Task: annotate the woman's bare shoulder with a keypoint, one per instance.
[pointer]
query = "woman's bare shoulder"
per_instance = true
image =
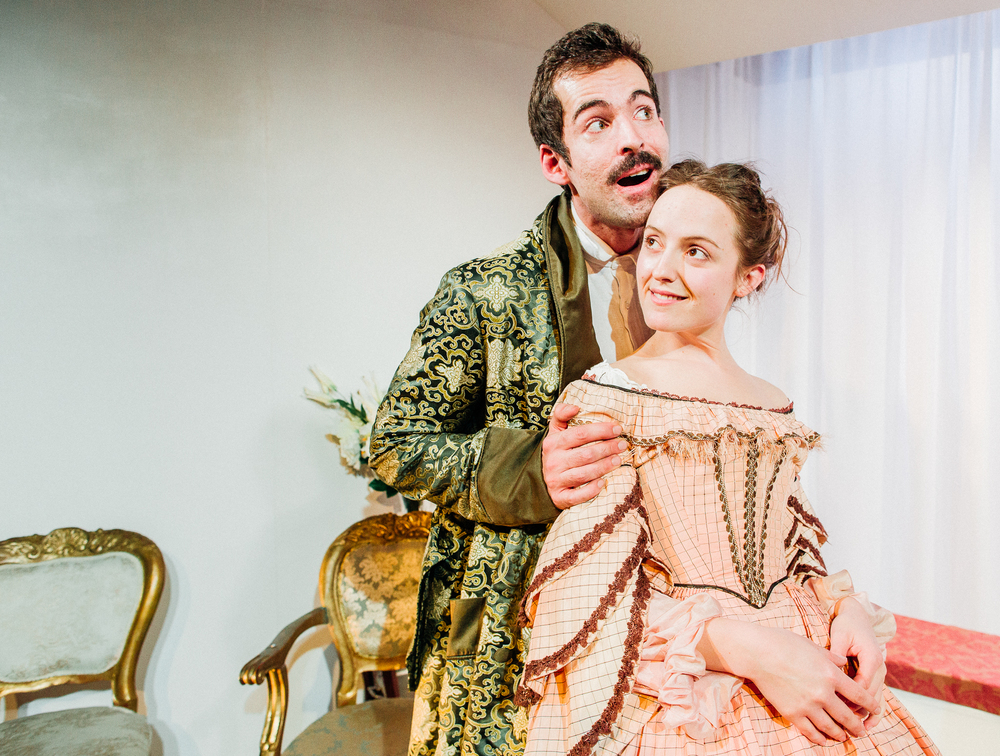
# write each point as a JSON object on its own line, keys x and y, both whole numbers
{"x": 770, "y": 395}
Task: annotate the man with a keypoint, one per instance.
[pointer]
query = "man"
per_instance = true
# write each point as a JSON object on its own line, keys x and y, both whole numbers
{"x": 469, "y": 421}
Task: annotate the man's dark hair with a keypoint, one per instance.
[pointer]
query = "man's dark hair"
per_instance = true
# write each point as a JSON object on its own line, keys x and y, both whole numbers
{"x": 587, "y": 49}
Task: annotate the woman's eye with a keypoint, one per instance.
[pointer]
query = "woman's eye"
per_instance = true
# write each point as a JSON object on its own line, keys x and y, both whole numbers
{"x": 650, "y": 241}
{"x": 697, "y": 253}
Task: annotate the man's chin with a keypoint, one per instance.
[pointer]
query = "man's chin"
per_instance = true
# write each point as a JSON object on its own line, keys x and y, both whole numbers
{"x": 631, "y": 216}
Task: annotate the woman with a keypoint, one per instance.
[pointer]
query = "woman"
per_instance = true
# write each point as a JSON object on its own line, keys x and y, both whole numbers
{"x": 686, "y": 609}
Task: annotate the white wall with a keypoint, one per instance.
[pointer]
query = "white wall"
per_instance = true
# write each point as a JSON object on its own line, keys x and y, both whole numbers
{"x": 197, "y": 201}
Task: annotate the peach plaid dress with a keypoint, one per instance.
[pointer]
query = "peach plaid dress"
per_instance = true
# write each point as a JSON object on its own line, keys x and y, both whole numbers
{"x": 706, "y": 518}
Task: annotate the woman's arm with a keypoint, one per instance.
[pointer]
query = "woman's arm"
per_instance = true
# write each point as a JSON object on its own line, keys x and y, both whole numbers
{"x": 804, "y": 682}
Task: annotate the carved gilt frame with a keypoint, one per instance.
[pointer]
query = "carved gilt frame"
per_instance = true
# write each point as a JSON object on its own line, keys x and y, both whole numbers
{"x": 74, "y": 542}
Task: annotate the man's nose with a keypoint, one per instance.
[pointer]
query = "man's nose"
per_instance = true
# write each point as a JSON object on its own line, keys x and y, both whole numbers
{"x": 630, "y": 140}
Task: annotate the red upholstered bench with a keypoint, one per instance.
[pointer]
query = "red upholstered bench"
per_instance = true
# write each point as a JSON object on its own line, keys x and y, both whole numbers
{"x": 945, "y": 662}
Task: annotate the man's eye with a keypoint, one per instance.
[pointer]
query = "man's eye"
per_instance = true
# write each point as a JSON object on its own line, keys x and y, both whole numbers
{"x": 645, "y": 113}
{"x": 596, "y": 126}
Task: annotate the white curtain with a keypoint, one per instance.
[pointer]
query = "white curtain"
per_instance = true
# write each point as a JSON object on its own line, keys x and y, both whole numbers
{"x": 885, "y": 152}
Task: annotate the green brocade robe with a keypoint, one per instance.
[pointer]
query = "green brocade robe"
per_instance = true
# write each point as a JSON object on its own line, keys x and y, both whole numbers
{"x": 462, "y": 426}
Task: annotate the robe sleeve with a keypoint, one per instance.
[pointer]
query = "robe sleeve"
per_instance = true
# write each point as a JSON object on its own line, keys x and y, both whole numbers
{"x": 428, "y": 440}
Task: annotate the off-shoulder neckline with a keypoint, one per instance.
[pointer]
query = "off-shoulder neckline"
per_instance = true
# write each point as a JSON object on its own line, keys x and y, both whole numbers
{"x": 645, "y": 391}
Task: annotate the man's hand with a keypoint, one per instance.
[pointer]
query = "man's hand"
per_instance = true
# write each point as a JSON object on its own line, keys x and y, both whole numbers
{"x": 574, "y": 460}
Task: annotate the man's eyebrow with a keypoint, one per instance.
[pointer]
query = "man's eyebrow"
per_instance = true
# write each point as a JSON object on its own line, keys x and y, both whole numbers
{"x": 597, "y": 103}
{"x": 587, "y": 105}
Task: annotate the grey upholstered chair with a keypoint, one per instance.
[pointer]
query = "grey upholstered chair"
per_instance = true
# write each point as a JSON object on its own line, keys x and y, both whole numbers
{"x": 74, "y": 608}
{"x": 368, "y": 584}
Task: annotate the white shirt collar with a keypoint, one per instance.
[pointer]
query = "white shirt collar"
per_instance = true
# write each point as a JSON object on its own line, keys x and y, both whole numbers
{"x": 592, "y": 244}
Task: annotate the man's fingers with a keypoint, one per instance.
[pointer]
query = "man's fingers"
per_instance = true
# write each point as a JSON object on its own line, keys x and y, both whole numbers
{"x": 578, "y": 462}
{"x": 570, "y": 497}
{"x": 575, "y": 459}
{"x": 561, "y": 415}
{"x": 581, "y": 435}
{"x": 591, "y": 470}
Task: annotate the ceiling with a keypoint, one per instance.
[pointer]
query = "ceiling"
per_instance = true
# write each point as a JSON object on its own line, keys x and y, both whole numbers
{"x": 681, "y": 33}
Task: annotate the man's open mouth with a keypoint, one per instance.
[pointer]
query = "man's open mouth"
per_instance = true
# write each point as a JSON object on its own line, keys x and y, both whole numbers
{"x": 635, "y": 179}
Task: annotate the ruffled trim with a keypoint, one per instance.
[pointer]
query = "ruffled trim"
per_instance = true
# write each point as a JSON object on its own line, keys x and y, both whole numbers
{"x": 626, "y": 672}
{"x": 696, "y": 426}
{"x": 831, "y": 590}
{"x": 582, "y": 547}
{"x": 703, "y": 447}
{"x": 672, "y": 671}
{"x": 562, "y": 656}
{"x": 803, "y": 541}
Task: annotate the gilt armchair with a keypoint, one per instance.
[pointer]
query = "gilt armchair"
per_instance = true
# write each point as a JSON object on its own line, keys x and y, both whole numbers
{"x": 75, "y": 607}
{"x": 368, "y": 586}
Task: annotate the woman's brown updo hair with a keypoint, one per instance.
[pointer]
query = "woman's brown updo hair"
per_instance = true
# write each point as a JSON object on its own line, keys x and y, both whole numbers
{"x": 761, "y": 235}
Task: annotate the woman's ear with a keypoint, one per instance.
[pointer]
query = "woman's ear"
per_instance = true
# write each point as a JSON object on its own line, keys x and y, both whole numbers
{"x": 749, "y": 280}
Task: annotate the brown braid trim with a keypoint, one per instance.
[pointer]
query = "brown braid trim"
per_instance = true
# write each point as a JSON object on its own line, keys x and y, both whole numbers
{"x": 791, "y": 534}
{"x": 633, "y": 641}
{"x": 525, "y": 696}
{"x": 790, "y": 538}
{"x": 584, "y": 545}
{"x": 810, "y": 519}
{"x": 812, "y": 570}
{"x": 805, "y": 545}
{"x": 592, "y": 378}
{"x": 559, "y": 658}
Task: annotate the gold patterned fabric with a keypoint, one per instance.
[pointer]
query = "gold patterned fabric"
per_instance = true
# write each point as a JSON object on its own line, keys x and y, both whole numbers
{"x": 377, "y": 595}
{"x": 462, "y": 425}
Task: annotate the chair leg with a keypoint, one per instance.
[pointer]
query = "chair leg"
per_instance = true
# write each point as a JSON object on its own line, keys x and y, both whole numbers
{"x": 380, "y": 684}
{"x": 277, "y": 708}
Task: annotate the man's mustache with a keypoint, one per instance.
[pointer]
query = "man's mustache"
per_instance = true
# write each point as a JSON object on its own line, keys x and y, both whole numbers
{"x": 633, "y": 161}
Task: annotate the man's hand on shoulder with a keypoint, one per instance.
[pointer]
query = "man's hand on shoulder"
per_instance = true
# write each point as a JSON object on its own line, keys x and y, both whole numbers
{"x": 575, "y": 460}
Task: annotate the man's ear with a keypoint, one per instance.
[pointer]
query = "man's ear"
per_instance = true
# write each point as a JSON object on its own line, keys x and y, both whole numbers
{"x": 553, "y": 165}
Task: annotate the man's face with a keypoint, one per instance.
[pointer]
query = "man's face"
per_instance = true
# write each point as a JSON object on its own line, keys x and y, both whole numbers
{"x": 616, "y": 144}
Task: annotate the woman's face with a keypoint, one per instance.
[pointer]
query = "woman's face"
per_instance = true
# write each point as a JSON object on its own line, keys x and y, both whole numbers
{"x": 688, "y": 268}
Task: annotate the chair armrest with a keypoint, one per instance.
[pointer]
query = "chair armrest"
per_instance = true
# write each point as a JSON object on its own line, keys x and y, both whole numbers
{"x": 269, "y": 666}
{"x": 255, "y": 671}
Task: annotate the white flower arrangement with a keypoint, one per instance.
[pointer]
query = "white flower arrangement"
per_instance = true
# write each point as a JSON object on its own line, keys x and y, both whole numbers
{"x": 352, "y": 427}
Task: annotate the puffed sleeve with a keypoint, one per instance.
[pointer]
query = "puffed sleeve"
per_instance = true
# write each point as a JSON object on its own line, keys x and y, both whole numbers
{"x": 586, "y": 608}
{"x": 831, "y": 590}
{"x": 804, "y": 538}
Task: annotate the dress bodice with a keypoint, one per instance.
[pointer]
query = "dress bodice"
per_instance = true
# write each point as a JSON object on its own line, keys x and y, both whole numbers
{"x": 720, "y": 481}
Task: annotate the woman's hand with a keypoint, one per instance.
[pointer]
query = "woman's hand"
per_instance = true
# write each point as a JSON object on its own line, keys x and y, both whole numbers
{"x": 851, "y": 634}
{"x": 804, "y": 682}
